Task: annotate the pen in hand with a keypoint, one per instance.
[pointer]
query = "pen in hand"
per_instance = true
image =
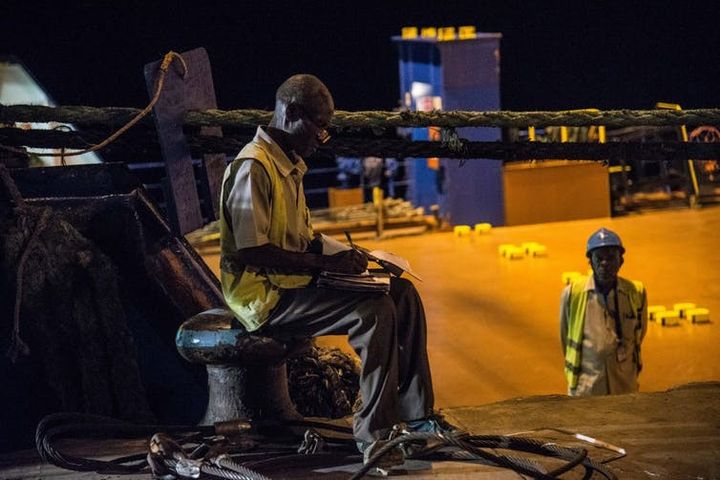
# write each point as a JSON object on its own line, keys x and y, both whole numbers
{"x": 356, "y": 249}
{"x": 349, "y": 239}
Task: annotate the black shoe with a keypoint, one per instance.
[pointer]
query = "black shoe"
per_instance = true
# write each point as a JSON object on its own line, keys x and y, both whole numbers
{"x": 433, "y": 423}
{"x": 393, "y": 458}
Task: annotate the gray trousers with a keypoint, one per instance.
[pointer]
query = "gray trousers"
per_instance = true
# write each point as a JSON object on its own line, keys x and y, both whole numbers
{"x": 388, "y": 333}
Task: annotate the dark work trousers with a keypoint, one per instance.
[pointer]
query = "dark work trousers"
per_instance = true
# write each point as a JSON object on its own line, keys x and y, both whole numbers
{"x": 388, "y": 333}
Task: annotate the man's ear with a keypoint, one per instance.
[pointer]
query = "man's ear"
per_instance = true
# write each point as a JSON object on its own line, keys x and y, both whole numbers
{"x": 622, "y": 260}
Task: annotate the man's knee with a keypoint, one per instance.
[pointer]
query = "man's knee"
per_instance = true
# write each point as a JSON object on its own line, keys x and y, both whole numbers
{"x": 379, "y": 310}
{"x": 400, "y": 288}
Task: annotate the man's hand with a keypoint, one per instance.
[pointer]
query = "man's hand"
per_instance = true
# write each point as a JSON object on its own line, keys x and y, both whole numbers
{"x": 348, "y": 261}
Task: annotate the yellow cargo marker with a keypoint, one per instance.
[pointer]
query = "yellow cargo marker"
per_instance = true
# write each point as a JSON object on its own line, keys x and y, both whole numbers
{"x": 504, "y": 248}
{"x": 681, "y": 308}
{"x": 668, "y": 318}
{"x": 461, "y": 230}
{"x": 515, "y": 253}
{"x": 538, "y": 250}
{"x": 482, "y": 227}
{"x": 528, "y": 245}
{"x": 569, "y": 277}
{"x": 698, "y": 315}
{"x": 653, "y": 311}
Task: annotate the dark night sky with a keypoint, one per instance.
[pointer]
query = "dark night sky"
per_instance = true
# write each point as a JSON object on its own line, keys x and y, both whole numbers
{"x": 555, "y": 55}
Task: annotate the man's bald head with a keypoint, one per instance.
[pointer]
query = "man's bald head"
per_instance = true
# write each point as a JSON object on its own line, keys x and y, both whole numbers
{"x": 303, "y": 109}
{"x": 306, "y": 90}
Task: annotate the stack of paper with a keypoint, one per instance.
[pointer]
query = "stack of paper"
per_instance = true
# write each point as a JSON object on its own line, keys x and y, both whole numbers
{"x": 392, "y": 263}
{"x": 363, "y": 282}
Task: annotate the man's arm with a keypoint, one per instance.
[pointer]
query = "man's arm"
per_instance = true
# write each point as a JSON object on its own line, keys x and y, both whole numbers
{"x": 643, "y": 315}
{"x": 249, "y": 204}
{"x": 564, "y": 299}
{"x": 271, "y": 256}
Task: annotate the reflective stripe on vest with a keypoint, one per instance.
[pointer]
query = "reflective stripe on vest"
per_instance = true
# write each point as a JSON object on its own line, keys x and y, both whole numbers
{"x": 576, "y": 323}
{"x": 252, "y": 294}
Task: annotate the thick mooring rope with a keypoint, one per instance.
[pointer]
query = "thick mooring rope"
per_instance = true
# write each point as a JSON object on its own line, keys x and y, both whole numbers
{"x": 81, "y": 115}
{"x": 454, "y": 119}
{"x": 159, "y": 83}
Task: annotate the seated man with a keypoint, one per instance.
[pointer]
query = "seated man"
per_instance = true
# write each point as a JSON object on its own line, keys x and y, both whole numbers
{"x": 603, "y": 319}
{"x": 269, "y": 254}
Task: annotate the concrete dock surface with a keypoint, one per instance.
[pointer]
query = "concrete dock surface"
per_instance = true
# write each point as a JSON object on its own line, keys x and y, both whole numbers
{"x": 667, "y": 435}
{"x": 495, "y": 351}
{"x": 493, "y": 323}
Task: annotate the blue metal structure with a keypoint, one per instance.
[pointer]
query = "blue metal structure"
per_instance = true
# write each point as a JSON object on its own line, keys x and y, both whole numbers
{"x": 465, "y": 75}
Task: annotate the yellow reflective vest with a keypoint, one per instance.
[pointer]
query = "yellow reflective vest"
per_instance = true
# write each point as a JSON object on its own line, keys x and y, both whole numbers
{"x": 252, "y": 292}
{"x": 576, "y": 323}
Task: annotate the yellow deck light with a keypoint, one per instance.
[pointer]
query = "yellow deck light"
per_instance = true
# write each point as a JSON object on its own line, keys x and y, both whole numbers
{"x": 467, "y": 32}
{"x": 428, "y": 32}
{"x": 409, "y": 32}
{"x": 446, "y": 33}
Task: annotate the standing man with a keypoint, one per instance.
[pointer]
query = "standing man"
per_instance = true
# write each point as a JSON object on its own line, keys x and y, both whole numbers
{"x": 603, "y": 319}
{"x": 269, "y": 256}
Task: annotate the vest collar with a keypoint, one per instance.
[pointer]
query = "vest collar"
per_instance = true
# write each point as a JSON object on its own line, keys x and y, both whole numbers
{"x": 621, "y": 285}
{"x": 277, "y": 155}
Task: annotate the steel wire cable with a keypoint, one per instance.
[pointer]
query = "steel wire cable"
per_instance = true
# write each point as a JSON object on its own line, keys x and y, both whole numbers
{"x": 221, "y": 472}
{"x": 465, "y": 456}
{"x": 54, "y": 427}
{"x": 67, "y": 425}
{"x": 308, "y": 460}
{"x": 529, "y": 445}
{"x": 573, "y": 457}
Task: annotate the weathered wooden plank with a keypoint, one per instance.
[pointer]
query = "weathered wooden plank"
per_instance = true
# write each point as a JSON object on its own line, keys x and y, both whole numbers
{"x": 193, "y": 90}
{"x": 213, "y": 167}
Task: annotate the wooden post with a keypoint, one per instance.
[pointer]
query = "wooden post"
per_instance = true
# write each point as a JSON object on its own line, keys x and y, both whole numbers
{"x": 377, "y": 195}
{"x": 194, "y": 91}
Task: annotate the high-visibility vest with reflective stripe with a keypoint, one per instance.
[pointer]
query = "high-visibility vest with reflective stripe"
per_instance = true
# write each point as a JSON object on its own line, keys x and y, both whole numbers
{"x": 576, "y": 323}
{"x": 252, "y": 293}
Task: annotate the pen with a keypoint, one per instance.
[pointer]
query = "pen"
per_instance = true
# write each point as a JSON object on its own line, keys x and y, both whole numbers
{"x": 349, "y": 239}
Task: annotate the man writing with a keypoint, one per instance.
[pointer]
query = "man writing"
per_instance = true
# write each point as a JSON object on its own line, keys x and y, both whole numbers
{"x": 603, "y": 319}
{"x": 269, "y": 255}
